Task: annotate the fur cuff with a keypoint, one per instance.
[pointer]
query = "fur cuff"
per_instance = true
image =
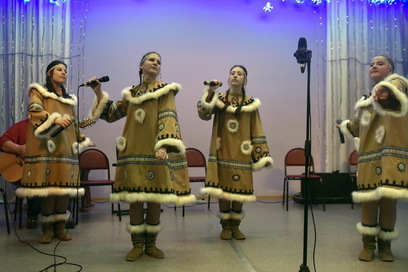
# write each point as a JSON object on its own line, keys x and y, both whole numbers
{"x": 62, "y": 216}
{"x": 78, "y": 147}
{"x": 239, "y": 216}
{"x": 398, "y": 94}
{"x": 237, "y": 197}
{"x": 363, "y": 230}
{"x": 136, "y": 229}
{"x": 47, "y": 126}
{"x": 209, "y": 105}
{"x": 177, "y": 144}
{"x": 47, "y": 219}
{"x": 153, "y": 228}
{"x": 345, "y": 130}
{"x": 262, "y": 163}
{"x": 388, "y": 235}
{"x": 99, "y": 106}
{"x": 224, "y": 215}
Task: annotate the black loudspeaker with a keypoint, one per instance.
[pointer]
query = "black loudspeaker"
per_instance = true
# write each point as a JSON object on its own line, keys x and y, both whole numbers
{"x": 335, "y": 188}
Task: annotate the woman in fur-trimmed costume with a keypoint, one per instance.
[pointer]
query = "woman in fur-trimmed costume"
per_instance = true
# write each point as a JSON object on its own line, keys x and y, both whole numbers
{"x": 51, "y": 163}
{"x": 381, "y": 128}
{"x": 238, "y": 147}
{"x": 151, "y": 167}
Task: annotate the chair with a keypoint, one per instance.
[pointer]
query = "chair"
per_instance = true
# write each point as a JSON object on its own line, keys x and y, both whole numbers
{"x": 5, "y": 202}
{"x": 296, "y": 158}
{"x": 94, "y": 159}
{"x": 352, "y": 162}
{"x": 196, "y": 159}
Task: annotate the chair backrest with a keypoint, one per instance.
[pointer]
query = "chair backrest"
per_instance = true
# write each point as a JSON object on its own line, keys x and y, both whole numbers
{"x": 93, "y": 159}
{"x": 353, "y": 161}
{"x": 195, "y": 158}
{"x": 296, "y": 157}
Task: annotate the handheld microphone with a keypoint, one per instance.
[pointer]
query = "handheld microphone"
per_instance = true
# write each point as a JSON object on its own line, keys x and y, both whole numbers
{"x": 339, "y": 121}
{"x": 93, "y": 83}
{"x": 213, "y": 83}
{"x": 60, "y": 129}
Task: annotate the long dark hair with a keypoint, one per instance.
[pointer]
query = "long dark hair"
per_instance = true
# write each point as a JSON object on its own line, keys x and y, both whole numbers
{"x": 48, "y": 84}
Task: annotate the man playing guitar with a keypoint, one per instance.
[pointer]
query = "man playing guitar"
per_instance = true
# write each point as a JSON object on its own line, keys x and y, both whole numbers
{"x": 12, "y": 146}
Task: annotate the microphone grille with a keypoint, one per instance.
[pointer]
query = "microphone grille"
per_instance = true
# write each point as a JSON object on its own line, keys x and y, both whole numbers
{"x": 302, "y": 43}
{"x": 338, "y": 121}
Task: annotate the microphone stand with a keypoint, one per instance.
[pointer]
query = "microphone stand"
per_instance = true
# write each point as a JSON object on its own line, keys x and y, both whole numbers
{"x": 305, "y": 57}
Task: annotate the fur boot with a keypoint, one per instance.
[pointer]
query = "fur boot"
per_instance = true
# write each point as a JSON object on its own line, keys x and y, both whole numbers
{"x": 150, "y": 241}
{"x": 46, "y": 237}
{"x": 384, "y": 244}
{"x": 235, "y": 222}
{"x": 137, "y": 234}
{"x": 59, "y": 227}
{"x": 369, "y": 234}
{"x": 226, "y": 233}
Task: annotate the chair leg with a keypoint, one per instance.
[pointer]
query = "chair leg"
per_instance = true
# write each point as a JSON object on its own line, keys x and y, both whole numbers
{"x": 5, "y": 209}
{"x": 209, "y": 199}
{"x": 287, "y": 195}
{"x": 183, "y": 210}
{"x": 119, "y": 212}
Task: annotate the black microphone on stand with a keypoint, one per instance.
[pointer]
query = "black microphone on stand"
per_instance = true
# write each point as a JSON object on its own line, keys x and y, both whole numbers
{"x": 93, "y": 83}
{"x": 302, "y": 55}
{"x": 213, "y": 83}
{"x": 339, "y": 121}
{"x": 60, "y": 129}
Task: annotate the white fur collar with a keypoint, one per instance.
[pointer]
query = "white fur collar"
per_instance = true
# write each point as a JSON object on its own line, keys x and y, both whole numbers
{"x": 47, "y": 94}
{"x": 162, "y": 90}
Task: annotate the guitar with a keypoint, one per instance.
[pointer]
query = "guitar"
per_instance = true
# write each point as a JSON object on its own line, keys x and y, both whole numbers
{"x": 11, "y": 165}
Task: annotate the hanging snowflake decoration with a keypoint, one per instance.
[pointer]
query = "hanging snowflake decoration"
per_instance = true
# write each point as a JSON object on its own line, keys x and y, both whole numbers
{"x": 268, "y": 7}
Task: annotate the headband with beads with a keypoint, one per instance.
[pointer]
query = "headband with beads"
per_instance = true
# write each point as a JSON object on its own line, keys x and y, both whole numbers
{"x": 384, "y": 59}
{"x": 55, "y": 66}
{"x": 148, "y": 56}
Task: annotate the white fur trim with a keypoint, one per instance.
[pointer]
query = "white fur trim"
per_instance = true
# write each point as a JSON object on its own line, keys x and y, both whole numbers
{"x": 246, "y": 108}
{"x": 363, "y": 230}
{"x": 47, "y": 125}
{"x": 143, "y": 197}
{"x": 365, "y": 118}
{"x": 99, "y": 106}
{"x": 224, "y": 215}
{"x": 246, "y": 147}
{"x": 373, "y": 195}
{"x": 379, "y": 134}
{"x": 47, "y": 219}
{"x": 394, "y": 193}
{"x": 232, "y": 129}
{"x": 49, "y": 191}
{"x": 399, "y": 95}
{"x": 121, "y": 143}
{"x": 140, "y": 115}
{"x": 209, "y": 105}
{"x": 45, "y": 93}
{"x": 136, "y": 229}
{"x": 153, "y": 228}
{"x": 183, "y": 200}
{"x": 363, "y": 102}
{"x": 175, "y": 87}
{"x": 357, "y": 143}
{"x": 261, "y": 163}
{"x": 80, "y": 146}
{"x": 178, "y": 144}
{"x": 62, "y": 216}
{"x": 345, "y": 130}
{"x": 388, "y": 235}
{"x": 238, "y": 216}
{"x": 211, "y": 191}
{"x": 237, "y": 197}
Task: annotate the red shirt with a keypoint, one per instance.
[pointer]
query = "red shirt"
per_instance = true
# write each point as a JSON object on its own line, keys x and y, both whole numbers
{"x": 17, "y": 134}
